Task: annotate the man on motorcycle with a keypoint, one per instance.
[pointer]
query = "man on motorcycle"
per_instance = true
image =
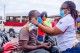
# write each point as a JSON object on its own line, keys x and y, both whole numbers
{"x": 28, "y": 42}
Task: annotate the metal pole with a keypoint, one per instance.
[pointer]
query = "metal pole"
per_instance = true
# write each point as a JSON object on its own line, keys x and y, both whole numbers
{"x": 4, "y": 14}
{"x": 20, "y": 19}
{"x": 4, "y": 17}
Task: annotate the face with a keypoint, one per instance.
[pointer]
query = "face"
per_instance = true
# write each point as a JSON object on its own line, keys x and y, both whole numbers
{"x": 65, "y": 8}
{"x": 44, "y": 18}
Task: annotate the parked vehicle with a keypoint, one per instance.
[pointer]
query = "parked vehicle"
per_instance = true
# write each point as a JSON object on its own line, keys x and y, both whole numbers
{"x": 11, "y": 46}
{"x": 3, "y": 38}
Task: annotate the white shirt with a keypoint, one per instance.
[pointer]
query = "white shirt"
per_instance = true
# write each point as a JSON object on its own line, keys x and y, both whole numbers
{"x": 66, "y": 40}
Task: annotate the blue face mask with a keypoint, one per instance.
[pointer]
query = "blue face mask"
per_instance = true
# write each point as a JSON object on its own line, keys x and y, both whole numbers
{"x": 39, "y": 19}
{"x": 62, "y": 14}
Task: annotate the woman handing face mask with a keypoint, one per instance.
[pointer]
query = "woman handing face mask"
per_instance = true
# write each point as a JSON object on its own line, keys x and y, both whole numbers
{"x": 64, "y": 29}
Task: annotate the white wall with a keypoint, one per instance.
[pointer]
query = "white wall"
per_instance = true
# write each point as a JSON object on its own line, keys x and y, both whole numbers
{"x": 16, "y": 6}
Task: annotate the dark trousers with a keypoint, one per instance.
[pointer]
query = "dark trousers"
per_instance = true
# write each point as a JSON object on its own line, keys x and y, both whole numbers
{"x": 51, "y": 50}
{"x": 37, "y": 51}
{"x": 73, "y": 50}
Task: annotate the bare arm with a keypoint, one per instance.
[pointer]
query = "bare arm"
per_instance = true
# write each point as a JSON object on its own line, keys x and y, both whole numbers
{"x": 38, "y": 42}
{"x": 49, "y": 30}
{"x": 27, "y": 47}
{"x": 44, "y": 24}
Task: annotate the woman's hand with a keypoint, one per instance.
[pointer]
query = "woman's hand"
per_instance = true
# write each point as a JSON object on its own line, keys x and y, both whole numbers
{"x": 34, "y": 21}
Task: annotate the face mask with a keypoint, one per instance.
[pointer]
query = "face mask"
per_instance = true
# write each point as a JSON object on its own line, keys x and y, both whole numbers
{"x": 39, "y": 20}
{"x": 62, "y": 14}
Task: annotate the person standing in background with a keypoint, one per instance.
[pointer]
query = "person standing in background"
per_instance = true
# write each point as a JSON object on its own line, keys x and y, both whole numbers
{"x": 43, "y": 37}
{"x": 78, "y": 24}
{"x": 44, "y": 19}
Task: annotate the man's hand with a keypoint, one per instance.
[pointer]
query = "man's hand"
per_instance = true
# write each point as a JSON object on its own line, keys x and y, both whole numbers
{"x": 34, "y": 21}
{"x": 46, "y": 45}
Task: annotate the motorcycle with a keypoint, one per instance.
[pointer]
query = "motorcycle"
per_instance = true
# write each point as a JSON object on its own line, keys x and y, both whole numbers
{"x": 3, "y": 38}
{"x": 11, "y": 46}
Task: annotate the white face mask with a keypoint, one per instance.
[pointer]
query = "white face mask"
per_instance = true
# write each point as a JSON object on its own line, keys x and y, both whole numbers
{"x": 32, "y": 26}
